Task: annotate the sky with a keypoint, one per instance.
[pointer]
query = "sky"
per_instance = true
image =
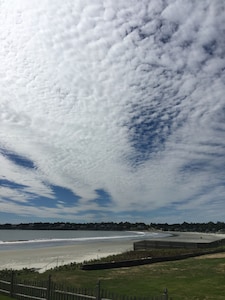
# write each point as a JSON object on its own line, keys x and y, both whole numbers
{"x": 112, "y": 111}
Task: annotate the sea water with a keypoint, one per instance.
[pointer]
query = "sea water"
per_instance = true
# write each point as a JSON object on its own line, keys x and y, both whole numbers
{"x": 45, "y": 249}
{"x": 33, "y": 239}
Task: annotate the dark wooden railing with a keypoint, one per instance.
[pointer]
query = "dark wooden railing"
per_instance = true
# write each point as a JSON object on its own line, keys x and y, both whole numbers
{"x": 48, "y": 290}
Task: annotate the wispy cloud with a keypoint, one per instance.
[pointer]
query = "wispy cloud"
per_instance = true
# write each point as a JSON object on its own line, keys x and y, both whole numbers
{"x": 112, "y": 107}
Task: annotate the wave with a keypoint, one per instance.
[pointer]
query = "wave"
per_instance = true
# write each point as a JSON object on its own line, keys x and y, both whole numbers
{"x": 76, "y": 239}
{"x": 51, "y": 242}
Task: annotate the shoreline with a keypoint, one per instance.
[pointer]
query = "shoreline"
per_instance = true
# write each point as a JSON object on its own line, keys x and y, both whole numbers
{"x": 42, "y": 259}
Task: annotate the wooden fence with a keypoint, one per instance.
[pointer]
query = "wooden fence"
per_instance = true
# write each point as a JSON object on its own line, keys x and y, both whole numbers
{"x": 160, "y": 244}
{"x": 48, "y": 290}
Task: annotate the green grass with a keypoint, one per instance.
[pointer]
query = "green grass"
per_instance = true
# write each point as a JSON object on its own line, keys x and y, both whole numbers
{"x": 189, "y": 279}
{"x": 2, "y": 297}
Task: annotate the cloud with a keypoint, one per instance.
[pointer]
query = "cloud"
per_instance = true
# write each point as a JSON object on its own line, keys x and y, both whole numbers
{"x": 120, "y": 103}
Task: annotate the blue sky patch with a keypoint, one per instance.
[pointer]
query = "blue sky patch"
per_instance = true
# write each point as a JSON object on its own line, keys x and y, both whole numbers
{"x": 103, "y": 199}
{"x": 42, "y": 202}
{"x": 17, "y": 159}
{"x": 65, "y": 195}
{"x": 61, "y": 196}
{"x": 10, "y": 184}
{"x": 148, "y": 133}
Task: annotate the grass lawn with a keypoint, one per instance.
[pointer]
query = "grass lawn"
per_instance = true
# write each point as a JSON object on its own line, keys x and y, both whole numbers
{"x": 190, "y": 279}
{"x": 2, "y": 297}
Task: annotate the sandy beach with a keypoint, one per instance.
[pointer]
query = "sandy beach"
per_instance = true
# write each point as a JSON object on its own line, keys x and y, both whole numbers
{"x": 50, "y": 257}
{"x": 47, "y": 258}
{"x": 192, "y": 237}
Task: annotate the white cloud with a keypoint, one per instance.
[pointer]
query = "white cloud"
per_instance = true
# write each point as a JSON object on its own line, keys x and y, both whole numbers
{"x": 79, "y": 79}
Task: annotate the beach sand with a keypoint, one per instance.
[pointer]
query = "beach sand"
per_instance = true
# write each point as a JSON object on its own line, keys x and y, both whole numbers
{"x": 47, "y": 258}
{"x": 43, "y": 259}
{"x": 192, "y": 237}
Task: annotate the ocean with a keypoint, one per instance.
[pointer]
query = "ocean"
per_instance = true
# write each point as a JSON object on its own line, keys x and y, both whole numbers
{"x": 33, "y": 239}
{"x": 46, "y": 249}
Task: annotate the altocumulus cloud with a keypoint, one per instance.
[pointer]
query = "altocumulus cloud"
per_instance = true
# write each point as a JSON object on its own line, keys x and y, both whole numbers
{"x": 112, "y": 110}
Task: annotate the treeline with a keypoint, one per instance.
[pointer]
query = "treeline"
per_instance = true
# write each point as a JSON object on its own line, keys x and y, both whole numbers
{"x": 190, "y": 227}
{"x": 209, "y": 227}
{"x": 77, "y": 226}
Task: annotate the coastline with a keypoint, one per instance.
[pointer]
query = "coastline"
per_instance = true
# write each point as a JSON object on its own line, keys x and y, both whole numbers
{"x": 195, "y": 237}
{"x": 42, "y": 259}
